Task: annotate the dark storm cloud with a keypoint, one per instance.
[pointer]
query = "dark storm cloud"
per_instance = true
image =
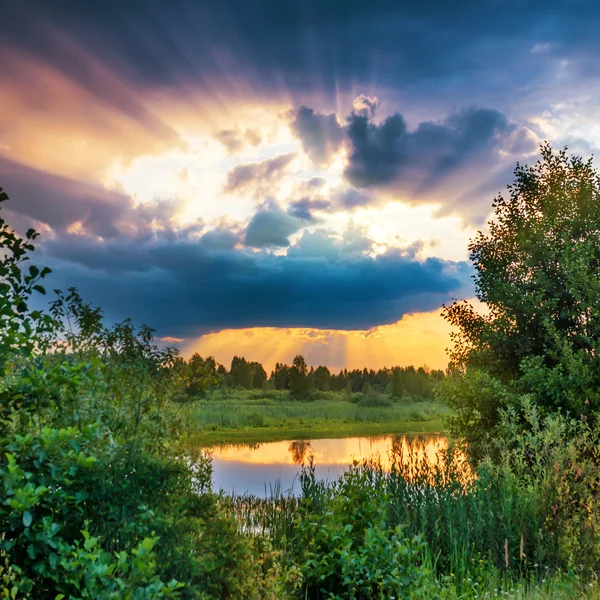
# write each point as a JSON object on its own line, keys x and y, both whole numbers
{"x": 387, "y": 153}
{"x": 245, "y": 175}
{"x": 131, "y": 260}
{"x": 60, "y": 202}
{"x": 459, "y": 163}
{"x": 189, "y": 287}
{"x": 321, "y": 134}
{"x": 271, "y": 227}
{"x": 318, "y": 44}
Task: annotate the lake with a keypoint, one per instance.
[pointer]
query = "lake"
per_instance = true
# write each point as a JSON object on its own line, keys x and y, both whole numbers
{"x": 258, "y": 469}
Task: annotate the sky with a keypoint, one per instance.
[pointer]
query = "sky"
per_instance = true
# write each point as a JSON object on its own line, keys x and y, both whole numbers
{"x": 271, "y": 178}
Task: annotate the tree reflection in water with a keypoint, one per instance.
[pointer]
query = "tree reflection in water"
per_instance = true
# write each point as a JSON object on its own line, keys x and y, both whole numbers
{"x": 298, "y": 449}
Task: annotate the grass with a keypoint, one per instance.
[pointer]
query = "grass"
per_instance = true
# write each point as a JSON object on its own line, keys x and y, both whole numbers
{"x": 240, "y": 416}
{"x": 483, "y": 538}
{"x": 331, "y": 430}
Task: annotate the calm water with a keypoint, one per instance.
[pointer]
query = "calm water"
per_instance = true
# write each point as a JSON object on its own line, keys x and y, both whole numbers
{"x": 257, "y": 469}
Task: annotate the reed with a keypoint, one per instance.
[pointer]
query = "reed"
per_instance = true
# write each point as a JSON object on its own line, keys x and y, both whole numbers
{"x": 484, "y": 532}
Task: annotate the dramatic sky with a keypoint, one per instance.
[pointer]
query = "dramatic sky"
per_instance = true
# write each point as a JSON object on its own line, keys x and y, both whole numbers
{"x": 276, "y": 177}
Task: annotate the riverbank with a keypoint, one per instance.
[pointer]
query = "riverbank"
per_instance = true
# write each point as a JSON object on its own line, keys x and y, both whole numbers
{"x": 237, "y": 417}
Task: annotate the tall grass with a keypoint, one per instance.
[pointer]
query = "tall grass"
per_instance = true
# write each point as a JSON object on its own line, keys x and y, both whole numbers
{"x": 239, "y": 409}
{"x": 489, "y": 533}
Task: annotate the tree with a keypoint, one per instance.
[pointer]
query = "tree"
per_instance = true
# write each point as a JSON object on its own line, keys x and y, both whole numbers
{"x": 300, "y": 382}
{"x": 242, "y": 374}
{"x": 281, "y": 377}
{"x": 198, "y": 375}
{"x": 259, "y": 375}
{"x": 321, "y": 378}
{"x": 538, "y": 272}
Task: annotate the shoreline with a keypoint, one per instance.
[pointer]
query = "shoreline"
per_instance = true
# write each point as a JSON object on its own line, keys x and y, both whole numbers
{"x": 262, "y": 435}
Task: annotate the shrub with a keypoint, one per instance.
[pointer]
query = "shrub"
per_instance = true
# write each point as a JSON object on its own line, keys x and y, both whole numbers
{"x": 345, "y": 547}
{"x": 375, "y": 401}
{"x": 255, "y": 419}
{"x": 356, "y": 397}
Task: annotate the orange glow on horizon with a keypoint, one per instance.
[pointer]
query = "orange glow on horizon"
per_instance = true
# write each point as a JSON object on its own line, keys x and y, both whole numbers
{"x": 417, "y": 339}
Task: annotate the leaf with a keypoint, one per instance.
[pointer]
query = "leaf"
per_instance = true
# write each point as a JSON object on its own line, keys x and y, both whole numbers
{"x": 27, "y": 518}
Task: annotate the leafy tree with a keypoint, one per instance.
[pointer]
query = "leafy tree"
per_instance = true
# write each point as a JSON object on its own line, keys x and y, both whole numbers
{"x": 281, "y": 377}
{"x": 242, "y": 373}
{"x": 198, "y": 375}
{"x": 259, "y": 375}
{"x": 300, "y": 382}
{"x": 321, "y": 378}
{"x": 537, "y": 270}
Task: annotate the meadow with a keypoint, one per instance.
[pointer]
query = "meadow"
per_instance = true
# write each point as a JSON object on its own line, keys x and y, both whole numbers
{"x": 228, "y": 415}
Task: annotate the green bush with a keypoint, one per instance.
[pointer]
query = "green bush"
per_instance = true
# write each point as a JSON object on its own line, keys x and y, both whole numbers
{"x": 345, "y": 547}
{"x": 255, "y": 419}
{"x": 375, "y": 400}
{"x": 356, "y": 397}
{"x": 98, "y": 498}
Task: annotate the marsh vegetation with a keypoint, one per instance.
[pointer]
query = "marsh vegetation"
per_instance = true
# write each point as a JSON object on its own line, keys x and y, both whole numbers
{"x": 230, "y": 416}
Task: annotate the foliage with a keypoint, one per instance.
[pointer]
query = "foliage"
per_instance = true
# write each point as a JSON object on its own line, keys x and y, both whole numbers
{"x": 274, "y": 415}
{"x": 345, "y": 547}
{"x": 536, "y": 271}
{"x": 321, "y": 377}
{"x": 241, "y": 373}
{"x": 197, "y": 376}
{"x": 528, "y": 519}
{"x": 300, "y": 381}
{"x": 99, "y": 499}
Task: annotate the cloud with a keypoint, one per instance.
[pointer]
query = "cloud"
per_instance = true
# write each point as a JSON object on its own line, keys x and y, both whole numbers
{"x": 336, "y": 200}
{"x": 458, "y": 163}
{"x": 188, "y": 287}
{"x": 321, "y": 134}
{"x": 77, "y": 118}
{"x": 347, "y": 198}
{"x": 365, "y": 106}
{"x": 187, "y": 280}
{"x": 390, "y": 154}
{"x": 303, "y": 208}
{"x": 235, "y": 140}
{"x": 62, "y": 203}
{"x": 244, "y": 176}
{"x": 271, "y": 227}
{"x": 319, "y": 42}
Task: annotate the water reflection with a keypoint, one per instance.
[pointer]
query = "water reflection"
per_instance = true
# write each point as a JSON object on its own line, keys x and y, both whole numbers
{"x": 263, "y": 468}
{"x": 299, "y": 448}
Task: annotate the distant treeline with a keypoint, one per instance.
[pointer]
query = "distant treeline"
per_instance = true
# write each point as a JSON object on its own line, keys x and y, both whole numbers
{"x": 300, "y": 379}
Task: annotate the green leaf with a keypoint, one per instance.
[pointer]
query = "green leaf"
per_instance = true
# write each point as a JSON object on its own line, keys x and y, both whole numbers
{"x": 27, "y": 518}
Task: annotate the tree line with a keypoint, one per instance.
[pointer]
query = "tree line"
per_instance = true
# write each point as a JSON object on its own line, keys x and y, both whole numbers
{"x": 301, "y": 379}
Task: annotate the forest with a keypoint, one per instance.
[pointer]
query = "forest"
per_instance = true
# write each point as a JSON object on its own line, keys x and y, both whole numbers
{"x": 301, "y": 380}
{"x": 103, "y": 496}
